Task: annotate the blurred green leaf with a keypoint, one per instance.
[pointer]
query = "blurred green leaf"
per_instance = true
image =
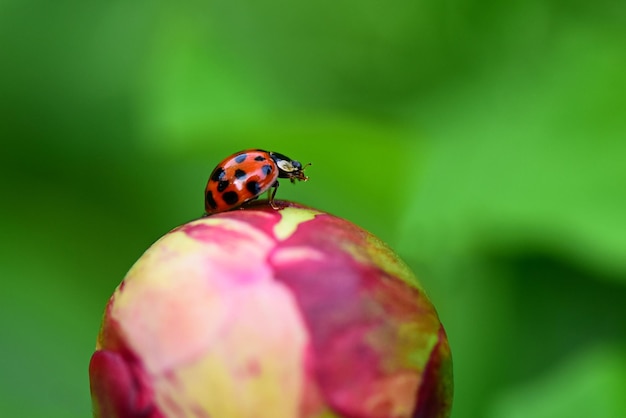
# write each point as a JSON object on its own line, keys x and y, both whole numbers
{"x": 591, "y": 384}
{"x": 534, "y": 156}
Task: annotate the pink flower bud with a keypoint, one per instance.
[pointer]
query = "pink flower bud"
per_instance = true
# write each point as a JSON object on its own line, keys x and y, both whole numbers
{"x": 270, "y": 313}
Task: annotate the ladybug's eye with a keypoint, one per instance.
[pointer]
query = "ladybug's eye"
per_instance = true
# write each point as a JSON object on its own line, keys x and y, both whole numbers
{"x": 286, "y": 165}
{"x": 296, "y": 165}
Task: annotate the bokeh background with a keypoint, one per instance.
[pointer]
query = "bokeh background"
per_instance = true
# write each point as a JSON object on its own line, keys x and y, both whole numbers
{"x": 485, "y": 141}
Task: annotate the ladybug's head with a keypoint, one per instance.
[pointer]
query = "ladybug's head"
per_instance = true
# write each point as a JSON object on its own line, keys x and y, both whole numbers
{"x": 288, "y": 168}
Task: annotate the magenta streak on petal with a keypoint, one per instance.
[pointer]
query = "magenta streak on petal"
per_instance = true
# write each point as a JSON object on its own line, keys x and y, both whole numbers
{"x": 346, "y": 302}
{"x": 171, "y": 406}
{"x": 401, "y": 301}
{"x": 340, "y": 314}
{"x": 214, "y": 234}
{"x": 339, "y": 317}
{"x": 250, "y": 370}
{"x": 434, "y": 394}
{"x": 348, "y": 359}
{"x": 253, "y": 368}
{"x": 198, "y": 412}
{"x": 225, "y": 236}
{"x": 120, "y": 388}
{"x": 261, "y": 218}
{"x": 119, "y": 384}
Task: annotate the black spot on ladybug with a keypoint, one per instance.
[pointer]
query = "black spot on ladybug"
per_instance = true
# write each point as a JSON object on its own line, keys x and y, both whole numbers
{"x": 240, "y": 158}
{"x": 222, "y": 185}
{"x": 259, "y": 158}
{"x": 239, "y": 173}
{"x": 218, "y": 174}
{"x": 230, "y": 197}
{"x": 253, "y": 187}
{"x": 267, "y": 169}
{"x": 210, "y": 201}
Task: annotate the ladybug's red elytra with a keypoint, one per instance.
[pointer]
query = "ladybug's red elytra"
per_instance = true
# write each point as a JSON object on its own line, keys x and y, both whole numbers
{"x": 246, "y": 175}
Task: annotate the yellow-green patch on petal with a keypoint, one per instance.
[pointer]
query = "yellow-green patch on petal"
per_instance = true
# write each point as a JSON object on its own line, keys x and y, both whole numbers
{"x": 389, "y": 261}
{"x": 290, "y": 219}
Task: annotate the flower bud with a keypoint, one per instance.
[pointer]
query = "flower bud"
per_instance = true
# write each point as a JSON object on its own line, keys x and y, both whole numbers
{"x": 270, "y": 313}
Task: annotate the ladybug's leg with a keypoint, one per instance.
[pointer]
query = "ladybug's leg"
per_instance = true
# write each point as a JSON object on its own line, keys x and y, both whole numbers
{"x": 273, "y": 193}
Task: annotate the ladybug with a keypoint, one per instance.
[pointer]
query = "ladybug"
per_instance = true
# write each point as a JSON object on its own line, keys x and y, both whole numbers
{"x": 246, "y": 175}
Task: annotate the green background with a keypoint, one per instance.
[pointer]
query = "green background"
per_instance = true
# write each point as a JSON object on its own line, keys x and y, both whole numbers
{"x": 485, "y": 141}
